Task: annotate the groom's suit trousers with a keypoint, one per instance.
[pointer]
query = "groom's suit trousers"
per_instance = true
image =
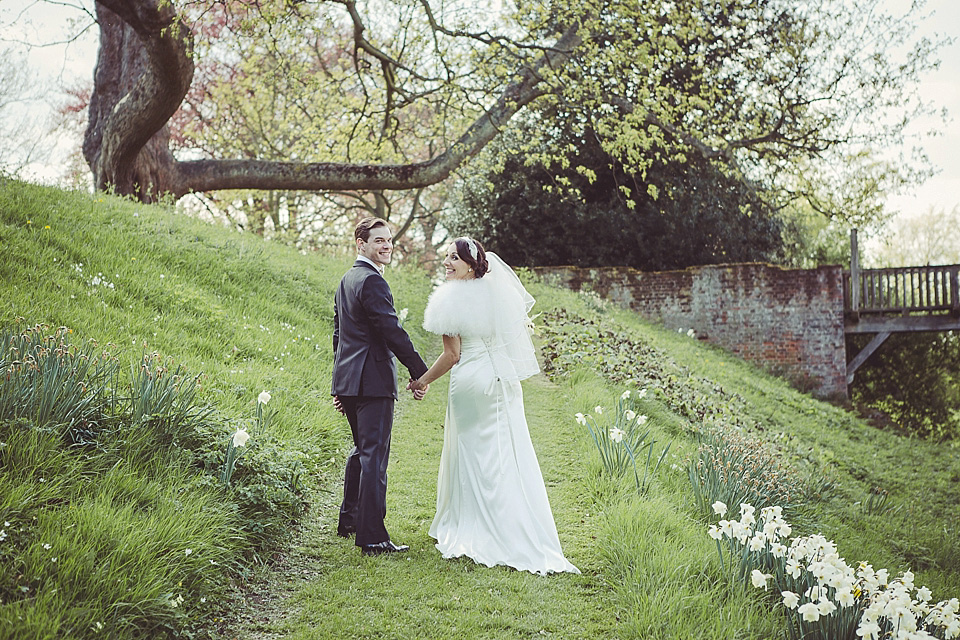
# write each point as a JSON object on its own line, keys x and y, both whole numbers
{"x": 365, "y": 479}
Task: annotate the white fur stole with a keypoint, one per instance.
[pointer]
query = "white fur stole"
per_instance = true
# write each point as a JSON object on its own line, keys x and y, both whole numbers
{"x": 460, "y": 308}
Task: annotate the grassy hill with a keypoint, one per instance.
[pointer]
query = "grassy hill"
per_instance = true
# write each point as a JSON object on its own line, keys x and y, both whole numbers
{"x": 116, "y": 522}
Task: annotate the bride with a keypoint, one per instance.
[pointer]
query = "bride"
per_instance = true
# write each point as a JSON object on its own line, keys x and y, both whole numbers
{"x": 492, "y": 505}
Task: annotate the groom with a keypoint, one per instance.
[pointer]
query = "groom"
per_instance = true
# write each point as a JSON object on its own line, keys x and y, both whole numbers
{"x": 366, "y": 336}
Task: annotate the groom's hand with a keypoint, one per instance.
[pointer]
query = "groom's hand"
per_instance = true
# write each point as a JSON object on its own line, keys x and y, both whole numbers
{"x": 418, "y": 394}
{"x": 337, "y": 404}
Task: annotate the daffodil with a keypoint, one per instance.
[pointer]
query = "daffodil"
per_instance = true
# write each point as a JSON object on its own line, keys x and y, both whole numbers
{"x": 598, "y": 409}
{"x": 240, "y": 438}
{"x": 625, "y": 394}
{"x": 790, "y": 599}
{"x": 809, "y": 611}
{"x": 581, "y": 419}
{"x": 617, "y": 434}
{"x": 868, "y": 629}
{"x": 759, "y": 578}
{"x": 845, "y": 598}
{"x": 629, "y": 415}
{"x": 719, "y": 508}
{"x": 793, "y": 568}
{"x": 264, "y": 397}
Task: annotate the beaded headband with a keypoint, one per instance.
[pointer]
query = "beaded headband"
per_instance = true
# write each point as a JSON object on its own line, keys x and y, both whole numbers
{"x": 472, "y": 246}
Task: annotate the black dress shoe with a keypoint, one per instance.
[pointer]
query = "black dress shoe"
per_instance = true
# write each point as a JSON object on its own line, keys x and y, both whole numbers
{"x": 383, "y": 547}
{"x": 344, "y": 532}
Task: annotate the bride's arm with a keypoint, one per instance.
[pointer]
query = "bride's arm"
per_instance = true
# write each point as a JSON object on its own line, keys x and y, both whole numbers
{"x": 445, "y": 362}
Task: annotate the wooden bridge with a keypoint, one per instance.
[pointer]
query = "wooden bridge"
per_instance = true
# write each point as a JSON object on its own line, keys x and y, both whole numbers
{"x": 896, "y": 300}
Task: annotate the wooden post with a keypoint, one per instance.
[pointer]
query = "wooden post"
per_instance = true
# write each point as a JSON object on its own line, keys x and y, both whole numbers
{"x": 854, "y": 277}
{"x": 954, "y": 292}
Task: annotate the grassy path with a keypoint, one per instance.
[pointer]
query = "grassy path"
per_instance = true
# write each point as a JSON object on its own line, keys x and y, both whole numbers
{"x": 325, "y": 589}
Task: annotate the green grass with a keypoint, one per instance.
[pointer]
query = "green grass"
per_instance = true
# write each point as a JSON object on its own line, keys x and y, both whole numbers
{"x": 248, "y": 316}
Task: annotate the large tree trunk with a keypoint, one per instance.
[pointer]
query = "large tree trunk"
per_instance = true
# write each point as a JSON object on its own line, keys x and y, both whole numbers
{"x": 143, "y": 71}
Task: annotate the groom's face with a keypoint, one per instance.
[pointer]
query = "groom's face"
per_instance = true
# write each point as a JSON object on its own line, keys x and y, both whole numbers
{"x": 378, "y": 247}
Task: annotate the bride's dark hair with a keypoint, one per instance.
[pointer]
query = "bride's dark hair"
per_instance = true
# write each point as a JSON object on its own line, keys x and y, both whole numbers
{"x": 479, "y": 264}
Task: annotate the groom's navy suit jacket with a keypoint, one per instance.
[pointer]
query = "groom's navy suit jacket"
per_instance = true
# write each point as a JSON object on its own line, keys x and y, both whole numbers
{"x": 366, "y": 336}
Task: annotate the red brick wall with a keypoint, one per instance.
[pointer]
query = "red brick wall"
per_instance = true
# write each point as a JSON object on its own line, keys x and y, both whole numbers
{"x": 789, "y": 321}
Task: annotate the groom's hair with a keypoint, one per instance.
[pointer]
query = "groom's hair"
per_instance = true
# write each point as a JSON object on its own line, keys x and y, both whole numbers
{"x": 365, "y": 226}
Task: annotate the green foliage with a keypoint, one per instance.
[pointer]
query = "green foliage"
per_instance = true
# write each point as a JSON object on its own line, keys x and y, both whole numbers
{"x": 53, "y": 383}
{"x": 912, "y": 379}
{"x": 112, "y": 457}
{"x": 98, "y": 547}
{"x": 877, "y": 503}
{"x": 680, "y": 212}
{"x": 619, "y": 445}
{"x": 164, "y": 402}
{"x": 651, "y": 556}
{"x": 623, "y": 357}
{"x": 736, "y": 469}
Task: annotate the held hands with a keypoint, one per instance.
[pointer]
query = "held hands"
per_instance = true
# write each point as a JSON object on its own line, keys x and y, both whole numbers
{"x": 419, "y": 389}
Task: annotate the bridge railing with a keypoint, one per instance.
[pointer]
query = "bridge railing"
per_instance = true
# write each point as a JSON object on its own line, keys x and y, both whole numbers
{"x": 902, "y": 290}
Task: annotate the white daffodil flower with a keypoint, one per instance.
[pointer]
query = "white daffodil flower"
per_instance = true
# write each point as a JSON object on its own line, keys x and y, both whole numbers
{"x": 826, "y": 607}
{"x": 759, "y": 578}
{"x": 617, "y": 434}
{"x": 809, "y": 611}
{"x": 264, "y": 397}
{"x": 240, "y": 438}
{"x": 845, "y": 598}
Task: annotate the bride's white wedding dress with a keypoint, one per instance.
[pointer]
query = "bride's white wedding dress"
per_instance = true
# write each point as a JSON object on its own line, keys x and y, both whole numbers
{"x": 492, "y": 505}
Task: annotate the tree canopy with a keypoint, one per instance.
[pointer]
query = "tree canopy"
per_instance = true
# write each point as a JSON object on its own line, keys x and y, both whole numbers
{"x": 528, "y": 213}
{"x": 397, "y": 94}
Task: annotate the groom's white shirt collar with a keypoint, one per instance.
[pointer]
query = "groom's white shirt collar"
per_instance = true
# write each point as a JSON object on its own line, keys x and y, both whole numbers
{"x": 376, "y": 266}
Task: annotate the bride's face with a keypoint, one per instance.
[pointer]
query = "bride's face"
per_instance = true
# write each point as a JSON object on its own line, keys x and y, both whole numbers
{"x": 456, "y": 269}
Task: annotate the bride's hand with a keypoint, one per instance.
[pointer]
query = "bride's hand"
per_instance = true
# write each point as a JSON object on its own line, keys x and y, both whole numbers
{"x": 419, "y": 389}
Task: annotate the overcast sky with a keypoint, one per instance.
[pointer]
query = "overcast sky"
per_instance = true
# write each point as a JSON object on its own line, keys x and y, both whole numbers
{"x": 72, "y": 63}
